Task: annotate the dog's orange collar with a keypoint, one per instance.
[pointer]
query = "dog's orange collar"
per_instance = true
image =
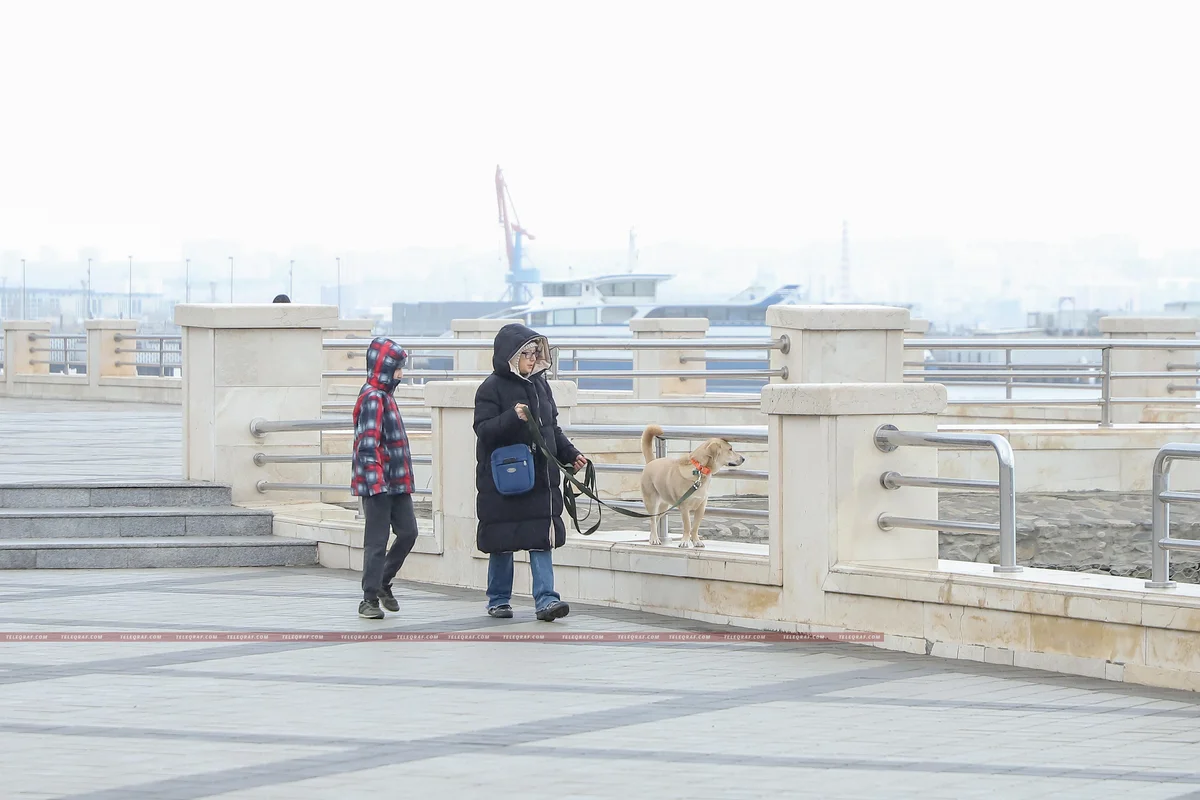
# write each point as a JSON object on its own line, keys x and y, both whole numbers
{"x": 703, "y": 470}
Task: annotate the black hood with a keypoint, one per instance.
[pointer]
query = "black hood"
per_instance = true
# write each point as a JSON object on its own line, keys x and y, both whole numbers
{"x": 509, "y": 340}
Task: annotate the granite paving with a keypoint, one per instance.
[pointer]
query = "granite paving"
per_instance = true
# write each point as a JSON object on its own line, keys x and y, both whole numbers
{"x": 110, "y": 720}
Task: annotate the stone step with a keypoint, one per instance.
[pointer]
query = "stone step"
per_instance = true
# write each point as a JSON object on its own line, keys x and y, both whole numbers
{"x": 112, "y": 494}
{"x": 135, "y": 522}
{"x": 167, "y": 552}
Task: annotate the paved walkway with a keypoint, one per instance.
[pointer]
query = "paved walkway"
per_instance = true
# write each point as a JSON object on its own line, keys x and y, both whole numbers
{"x": 113, "y": 720}
{"x": 48, "y": 440}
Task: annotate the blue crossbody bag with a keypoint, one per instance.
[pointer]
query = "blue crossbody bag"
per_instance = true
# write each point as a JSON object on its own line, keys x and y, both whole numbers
{"x": 512, "y": 469}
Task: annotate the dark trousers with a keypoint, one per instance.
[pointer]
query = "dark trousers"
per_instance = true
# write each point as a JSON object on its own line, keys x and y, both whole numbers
{"x": 380, "y": 564}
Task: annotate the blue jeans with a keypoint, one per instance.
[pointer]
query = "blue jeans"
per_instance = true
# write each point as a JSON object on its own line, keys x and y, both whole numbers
{"x": 500, "y": 579}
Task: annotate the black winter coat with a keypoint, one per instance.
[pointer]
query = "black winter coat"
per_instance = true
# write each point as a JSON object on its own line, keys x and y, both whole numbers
{"x": 530, "y": 521}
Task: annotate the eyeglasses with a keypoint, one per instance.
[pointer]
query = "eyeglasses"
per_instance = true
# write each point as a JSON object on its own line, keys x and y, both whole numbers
{"x": 529, "y": 352}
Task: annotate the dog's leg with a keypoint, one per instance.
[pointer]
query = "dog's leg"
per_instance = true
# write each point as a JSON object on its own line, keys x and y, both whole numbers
{"x": 654, "y": 508}
{"x": 697, "y": 517}
{"x": 686, "y": 517}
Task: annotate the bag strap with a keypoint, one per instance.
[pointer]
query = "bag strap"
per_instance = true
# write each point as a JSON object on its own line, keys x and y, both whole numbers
{"x": 588, "y": 486}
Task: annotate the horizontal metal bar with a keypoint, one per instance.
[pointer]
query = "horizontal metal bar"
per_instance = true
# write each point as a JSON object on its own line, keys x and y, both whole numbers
{"x": 166, "y": 337}
{"x": 1131, "y": 375}
{"x": 269, "y": 486}
{"x": 1179, "y": 497}
{"x": 259, "y": 427}
{"x": 58, "y": 361}
{"x": 445, "y": 374}
{"x": 751, "y": 400}
{"x": 1054, "y": 401}
{"x": 1185, "y": 366}
{"x": 350, "y": 405}
{"x": 726, "y": 374}
{"x": 716, "y": 359}
{"x": 1165, "y": 401}
{"x": 1184, "y": 387}
{"x": 77, "y": 337}
{"x": 956, "y": 365}
{"x": 888, "y": 439}
{"x": 156, "y": 364}
{"x": 887, "y": 522}
{"x": 1001, "y": 373}
{"x": 1192, "y": 545}
{"x": 730, "y": 433}
{"x": 948, "y": 380}
{"x": 709, "y": 511}
{"x": 266, "y": 458}
{"x": 707, "y": 343}
{"x": 894, "y": 480}
{"x": 1063, "y": 343}
{"x": 734, "y": 474}
{"x": 58, "y": 349}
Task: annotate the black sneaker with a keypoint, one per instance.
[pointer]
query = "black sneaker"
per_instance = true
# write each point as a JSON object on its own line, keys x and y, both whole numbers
{"x": 501, "y": 612}
{"x": 369, "y": 609}
{"x": 387, "y": 599}
{"x": 555, "y": 610}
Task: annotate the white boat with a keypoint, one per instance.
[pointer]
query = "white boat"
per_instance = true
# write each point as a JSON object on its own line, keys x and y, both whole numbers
{"x": 601, "y": 307}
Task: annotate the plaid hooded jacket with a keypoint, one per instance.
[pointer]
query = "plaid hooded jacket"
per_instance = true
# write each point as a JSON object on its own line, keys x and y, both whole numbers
{"x": 381, "y": 456}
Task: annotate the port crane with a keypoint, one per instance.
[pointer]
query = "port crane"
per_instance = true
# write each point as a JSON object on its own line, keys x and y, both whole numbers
{"x": 521, "y": 279}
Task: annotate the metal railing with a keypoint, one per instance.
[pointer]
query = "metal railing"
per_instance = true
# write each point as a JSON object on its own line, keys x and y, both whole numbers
{"x": 738, "y": 433}
{"x": 415, "y": 344}
{"x": 65, "y": 345}
{"x": 888, "y": 438}
{"x": 1080, "y": 376}
{"x": 154, "y": 357}
{"x": 1161, "y": 498}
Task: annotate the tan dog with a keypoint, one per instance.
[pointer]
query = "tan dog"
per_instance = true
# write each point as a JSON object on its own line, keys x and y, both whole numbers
{"x": 665, "y": 480}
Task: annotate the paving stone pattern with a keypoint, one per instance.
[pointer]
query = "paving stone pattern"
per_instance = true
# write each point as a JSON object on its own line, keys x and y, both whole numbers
{"x": 112, "y": 720}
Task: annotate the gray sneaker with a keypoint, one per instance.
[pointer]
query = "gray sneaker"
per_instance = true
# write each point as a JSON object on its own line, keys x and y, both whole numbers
{"x": 369, "y": 609}
{"x": 556, "y": 610}
{"x": 388, "y": 600}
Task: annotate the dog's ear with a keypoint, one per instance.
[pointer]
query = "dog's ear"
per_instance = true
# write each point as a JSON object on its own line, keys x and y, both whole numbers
{"x": 713, "y": 451}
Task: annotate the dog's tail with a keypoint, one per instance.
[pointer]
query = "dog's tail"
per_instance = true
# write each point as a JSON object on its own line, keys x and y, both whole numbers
{"x": 648, "y": 437}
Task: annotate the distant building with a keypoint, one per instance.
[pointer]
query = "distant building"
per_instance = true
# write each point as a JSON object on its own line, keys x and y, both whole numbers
{"x": 433, "y": 319}
{"x": 67, "y": 309}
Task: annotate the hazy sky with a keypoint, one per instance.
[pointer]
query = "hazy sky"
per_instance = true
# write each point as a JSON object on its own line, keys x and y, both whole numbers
{"x": 137, "y": 126}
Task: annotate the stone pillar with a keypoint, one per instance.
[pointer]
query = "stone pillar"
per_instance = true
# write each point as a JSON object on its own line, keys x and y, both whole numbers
{"x": 247, "y": 362}
{"x": 1143, "y": 328}
{"x": 839, "y": 344}
{"x": 914, "y": 357}
{"x": 476, "y": 360}
{"x": 102, "y": 346}
{"x": 824, "y": 488}
{"x": 646, "y": 388}
{"x": 16, "y": 349}
{"x": 451, "y": 407}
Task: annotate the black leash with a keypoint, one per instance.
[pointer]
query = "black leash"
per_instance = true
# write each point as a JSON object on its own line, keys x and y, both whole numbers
{"x": 588, "y": 486}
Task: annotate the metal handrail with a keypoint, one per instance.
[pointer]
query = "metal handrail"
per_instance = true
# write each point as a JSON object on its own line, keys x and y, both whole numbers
{"x": 1161, "y": 498}
{"x": 888, "y": 438}
{"x": 270, "y": 486}
{"x": 708, "y": 343}
{"x": 261, "y": 427}
{"x": 165, "y": 337}
{"x": 261, "y": 459}
{"x": 730, "y": 433}
{"x": 33, "y": 337}
{"x": 732, "y": 474}
{"x": 963, "y": 343}
{"x": 569, "y": 374}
